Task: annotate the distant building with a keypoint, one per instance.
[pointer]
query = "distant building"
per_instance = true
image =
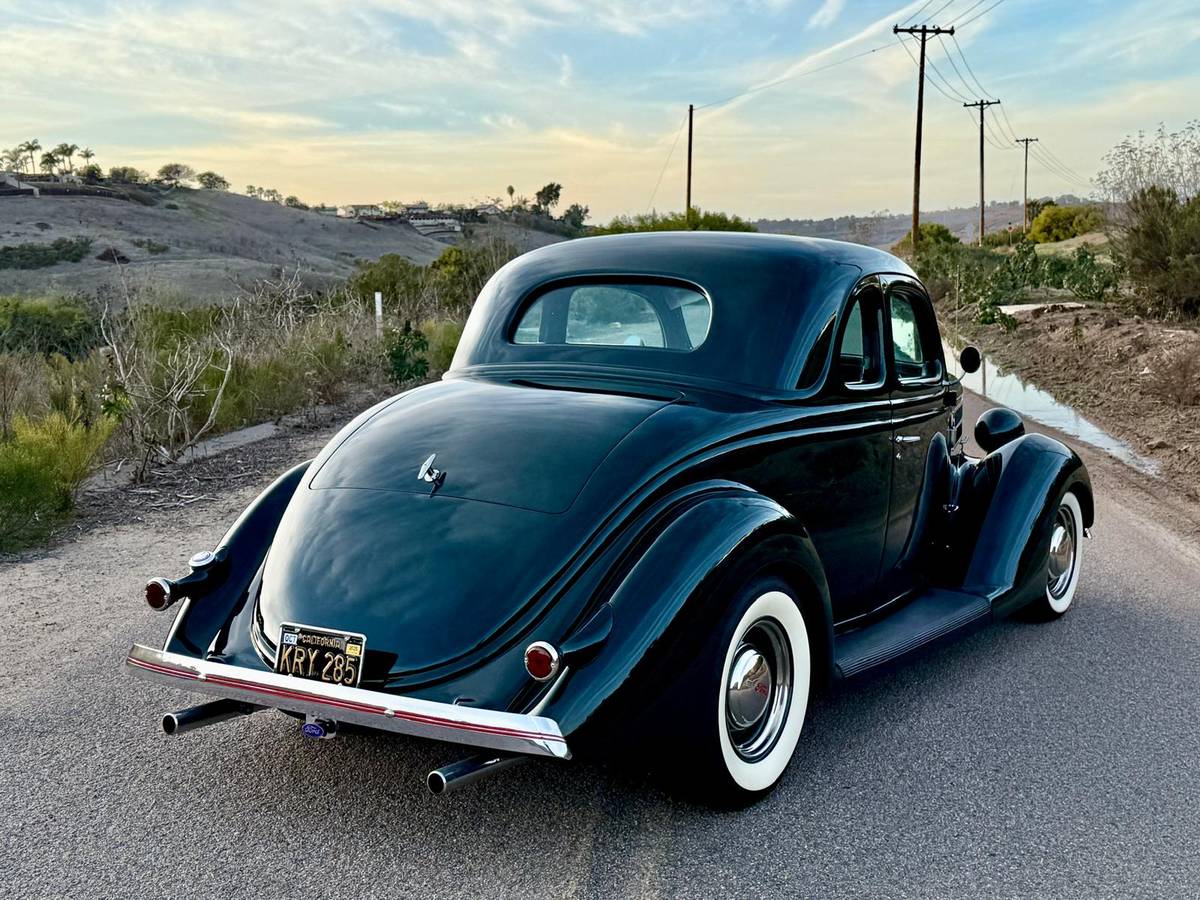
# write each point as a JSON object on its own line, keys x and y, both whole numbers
{"x": 435, "y": 224}
{"x": 359, "y": 211}
{"x": 488, "y": 209}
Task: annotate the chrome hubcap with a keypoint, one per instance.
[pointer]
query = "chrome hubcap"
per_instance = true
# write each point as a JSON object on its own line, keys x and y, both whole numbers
{"x": 758, "y": 689}
{"x": 749, "y": 687}
{"x": 1062, "y": 553}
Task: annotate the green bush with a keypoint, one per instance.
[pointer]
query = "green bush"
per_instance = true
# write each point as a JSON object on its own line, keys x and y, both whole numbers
{"x": 933, "y": 235}
{"x": 446, "y": 288}
{"x": 41, "y": 469}
{"x": 696, "y": 220}
{"x": 1158, "y": 246}
{"x": 443, "y": 338}
{"x": 1088, "y": 278}
{"x": 39, "y": 256}
{"x": 1060, "y": 223}
{"x": 405, "y": 349}
{"x": 47, "y": 326}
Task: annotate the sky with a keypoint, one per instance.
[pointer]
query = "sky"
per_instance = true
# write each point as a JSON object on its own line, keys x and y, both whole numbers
{"x": 355, "y": 101}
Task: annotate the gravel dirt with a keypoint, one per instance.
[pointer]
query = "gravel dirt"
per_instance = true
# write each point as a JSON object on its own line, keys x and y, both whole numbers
{"x": 1054, "y": 760}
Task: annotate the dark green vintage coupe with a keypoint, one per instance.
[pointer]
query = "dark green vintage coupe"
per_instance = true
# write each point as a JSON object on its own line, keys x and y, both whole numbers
{"x": 672, "y": 486}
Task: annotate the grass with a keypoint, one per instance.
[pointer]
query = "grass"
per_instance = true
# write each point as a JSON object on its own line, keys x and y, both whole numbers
{"x": 42, "y": 466}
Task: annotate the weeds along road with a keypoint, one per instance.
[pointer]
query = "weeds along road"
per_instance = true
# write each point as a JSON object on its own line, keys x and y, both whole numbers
{"x": 1058, "y": 760}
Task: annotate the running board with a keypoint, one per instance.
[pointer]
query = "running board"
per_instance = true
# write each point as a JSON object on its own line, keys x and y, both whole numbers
{"x": 932, "y": 618}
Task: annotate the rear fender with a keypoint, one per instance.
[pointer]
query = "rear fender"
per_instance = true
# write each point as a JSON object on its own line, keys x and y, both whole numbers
{"x": 1012, "y": 495}
{"x": 655, "y": 607}
{"x": 243, "y": 548}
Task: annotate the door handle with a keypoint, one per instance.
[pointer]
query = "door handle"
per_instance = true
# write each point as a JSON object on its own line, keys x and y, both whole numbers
{"x": 906, "y": 438}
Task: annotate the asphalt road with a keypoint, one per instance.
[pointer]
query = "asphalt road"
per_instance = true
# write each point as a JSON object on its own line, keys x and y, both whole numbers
{"x": 1058, "y": 760}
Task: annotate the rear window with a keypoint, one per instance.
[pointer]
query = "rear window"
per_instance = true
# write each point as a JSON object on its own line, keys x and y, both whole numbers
{"x": 662, "y": 316}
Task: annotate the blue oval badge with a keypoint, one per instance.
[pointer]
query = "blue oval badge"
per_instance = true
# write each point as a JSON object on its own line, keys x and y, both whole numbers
{"x": 313, "y": 730}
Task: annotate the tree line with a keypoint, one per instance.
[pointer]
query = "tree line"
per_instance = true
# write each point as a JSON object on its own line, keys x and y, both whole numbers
{"x": 29, "y": 157}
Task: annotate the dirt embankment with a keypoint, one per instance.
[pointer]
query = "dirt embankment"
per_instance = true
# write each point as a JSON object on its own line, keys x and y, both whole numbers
{"x": 1137, "y": 379}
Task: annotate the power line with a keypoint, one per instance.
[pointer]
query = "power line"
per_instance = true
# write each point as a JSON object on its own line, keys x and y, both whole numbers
{"x": 940, "y": 9}
{"x": 999, "y": 138}
{"x": 963, "y": 56}
{"x": 1051, "y": 154}
{"x": 1043, "y": 155}
{"x": 1046, "y": 163}
{"x": 670, "y": 153}
{"x": 956, "y": 97}
{"x": 1012, "y": 132}
{"x": 978, "y": 14}
{"x": 967, "y": 11}
{"x": 917, "y": 13}
{"x": 954, "y": 66}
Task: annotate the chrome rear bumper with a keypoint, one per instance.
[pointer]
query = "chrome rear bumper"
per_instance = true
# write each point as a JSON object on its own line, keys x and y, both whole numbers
{"x": 514, "y": 732}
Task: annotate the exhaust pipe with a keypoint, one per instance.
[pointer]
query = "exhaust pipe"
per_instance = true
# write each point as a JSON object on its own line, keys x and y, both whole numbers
{"x": 467, "y": 770}
{"x": 205, "y": 714}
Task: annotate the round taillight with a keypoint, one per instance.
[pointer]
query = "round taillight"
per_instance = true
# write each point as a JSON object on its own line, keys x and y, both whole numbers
{"x": 541, "y": 661}
{"x": 158, "y": 593}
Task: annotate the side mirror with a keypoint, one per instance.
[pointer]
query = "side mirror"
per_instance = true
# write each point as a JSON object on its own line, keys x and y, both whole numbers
{"x": 997, "y": 427}
{"x": 970, "y": 359}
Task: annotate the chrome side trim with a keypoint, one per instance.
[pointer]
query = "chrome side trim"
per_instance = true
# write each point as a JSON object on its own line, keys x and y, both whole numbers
{"x": 514, "y": 732}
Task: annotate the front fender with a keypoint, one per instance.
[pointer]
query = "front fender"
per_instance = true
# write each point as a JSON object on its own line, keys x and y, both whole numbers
{"x": 245, "y": 544}
{"x": 652, "y": 607}
{"x": 1015, "y": 491}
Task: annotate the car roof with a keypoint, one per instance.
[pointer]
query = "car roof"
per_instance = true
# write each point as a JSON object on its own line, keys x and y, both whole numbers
{"x": 771, "y": 295}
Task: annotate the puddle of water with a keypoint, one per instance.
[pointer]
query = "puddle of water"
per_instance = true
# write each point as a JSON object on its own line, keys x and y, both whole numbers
{"x": 1006, "y": 389}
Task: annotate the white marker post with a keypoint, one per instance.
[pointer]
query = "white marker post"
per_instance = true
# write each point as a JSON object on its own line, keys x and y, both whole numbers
{"x": 378, "y": 314}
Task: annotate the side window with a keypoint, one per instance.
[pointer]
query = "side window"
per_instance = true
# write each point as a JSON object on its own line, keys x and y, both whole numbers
{"x": 911, "y": 340}
{"x": 859, "y": 357}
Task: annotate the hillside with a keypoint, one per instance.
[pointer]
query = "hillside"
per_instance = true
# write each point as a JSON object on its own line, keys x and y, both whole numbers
{"x": 202, "y": 244}
{"x": 886, "y": 229}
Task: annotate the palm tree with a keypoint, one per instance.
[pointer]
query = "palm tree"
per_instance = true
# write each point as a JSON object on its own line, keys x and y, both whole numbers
{"x": 49, "y": 162}
{"x": 14, "y": 159}
{"x": 32, "y": 147}
{"x": 511, "y": 190}
{"x": 66, "y": 153}
{"x": 86, "y": 155}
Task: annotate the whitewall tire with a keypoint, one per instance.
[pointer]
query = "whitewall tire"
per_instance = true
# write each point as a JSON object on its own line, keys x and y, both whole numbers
{"x": 1064, "y": 558}
{"x": 763, "y": 691}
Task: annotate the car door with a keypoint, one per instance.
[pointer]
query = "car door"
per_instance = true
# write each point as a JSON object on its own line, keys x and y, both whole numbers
{"x": 840, "y": 481}
{"x": 920, "y": 456}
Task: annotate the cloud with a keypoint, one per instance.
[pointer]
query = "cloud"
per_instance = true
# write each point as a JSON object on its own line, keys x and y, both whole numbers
{"x": 826, "y": 14}
{"x": 564, "y": 71}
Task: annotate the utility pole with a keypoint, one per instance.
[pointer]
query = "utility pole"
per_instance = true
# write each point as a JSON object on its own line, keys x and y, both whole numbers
{"x": 981, "y": 105}
{"x": 924, "y": 32}
{"x": 1026, "y": 142}
{"x": 687, "y": 216}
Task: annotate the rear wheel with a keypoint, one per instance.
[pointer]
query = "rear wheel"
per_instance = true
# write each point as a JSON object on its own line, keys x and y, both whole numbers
{"x": 749, "y": 691}
{"x": 1065, "y": 557}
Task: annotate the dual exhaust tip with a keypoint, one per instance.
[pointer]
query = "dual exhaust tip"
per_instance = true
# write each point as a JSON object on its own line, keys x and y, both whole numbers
{"x": 439, "y": 781}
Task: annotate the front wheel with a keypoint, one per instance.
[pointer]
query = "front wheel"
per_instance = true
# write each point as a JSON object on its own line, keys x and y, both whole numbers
{"x": 1065, "y": 557}
{"x": 749, "y": 691}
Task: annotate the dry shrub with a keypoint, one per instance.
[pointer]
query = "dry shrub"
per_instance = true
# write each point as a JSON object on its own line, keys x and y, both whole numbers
{"x": 1177, "y": 377}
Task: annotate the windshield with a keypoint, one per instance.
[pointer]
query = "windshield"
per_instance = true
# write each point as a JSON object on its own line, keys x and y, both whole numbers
{"x": 618, "y": 314}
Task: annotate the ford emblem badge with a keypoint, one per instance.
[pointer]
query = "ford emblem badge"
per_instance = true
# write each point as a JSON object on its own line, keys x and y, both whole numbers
{"x": 313, "y": 730}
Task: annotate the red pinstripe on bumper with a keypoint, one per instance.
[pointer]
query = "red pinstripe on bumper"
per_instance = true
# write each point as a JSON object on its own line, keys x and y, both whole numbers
{"x": 513, "y": 732}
